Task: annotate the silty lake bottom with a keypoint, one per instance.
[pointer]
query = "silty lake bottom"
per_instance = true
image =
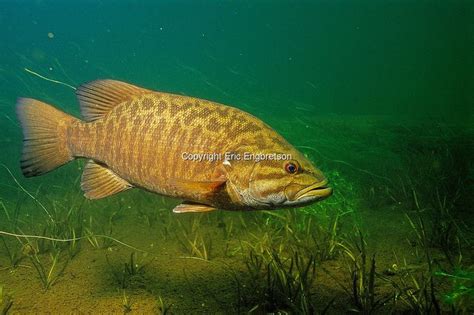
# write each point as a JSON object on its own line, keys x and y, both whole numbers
{"x": 378, "y": 95}
{"x": 395, "y": 236}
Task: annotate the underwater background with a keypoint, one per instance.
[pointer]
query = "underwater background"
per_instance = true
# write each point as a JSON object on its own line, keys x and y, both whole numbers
{"x": 378, "y": 94}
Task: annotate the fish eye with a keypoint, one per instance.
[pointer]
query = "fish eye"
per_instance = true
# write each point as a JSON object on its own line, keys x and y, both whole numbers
{"x": 291, "y": 168}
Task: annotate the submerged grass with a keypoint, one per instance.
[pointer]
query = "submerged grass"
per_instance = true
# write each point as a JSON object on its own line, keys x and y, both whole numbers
{"x": 276, "y": 284}
{"x": 291, "y": 231}
{"x": 326, "y": 240}
{"x": 461, "y": 295}
{"x": 163, "y": 307}
{"x": 362, "y": 273}
{"x": 14, "y": 254}
{"x": 6, "y": 301}
{"x": 193, "y": 240}
{"x": 94, "y": 239}
{"x": 417, "y": 288}
{"x": 48, "y": 271}
{"x": 126, "y": 303}
{"x": 129, "y": 274}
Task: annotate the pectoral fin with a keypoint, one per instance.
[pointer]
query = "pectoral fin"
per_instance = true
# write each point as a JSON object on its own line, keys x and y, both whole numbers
{"x": 98, "y": 181}
{"x": 192, "y": 207}
{"x": 199, "y": 187}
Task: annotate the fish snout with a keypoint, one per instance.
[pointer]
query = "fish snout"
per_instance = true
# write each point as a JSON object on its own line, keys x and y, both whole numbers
{"x": 315, "y": 191}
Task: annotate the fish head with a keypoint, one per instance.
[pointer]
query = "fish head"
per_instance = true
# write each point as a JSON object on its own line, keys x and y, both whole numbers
{"x": 295, "y": 182}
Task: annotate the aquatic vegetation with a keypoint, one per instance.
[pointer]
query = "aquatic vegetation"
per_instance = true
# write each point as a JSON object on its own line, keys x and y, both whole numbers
{"x": 66, "y": 223}
{"x": 130, "y": 274}
{"x": 363, "y": 276}
{"x": 416, "y": 289}
{"x": 12, "y": 218}
{"x": 166, "y": 223}
{"x": 74, "y": 245}
{"x": 126, "y": 303}
{"x": 295, "y": 231}
{"x": 424, "y": 238}
{"x": 277, "y": 284}
{"x": 461, "y": 295}
{"x": 437, "y": 182}
{"x": 163, "y": 307}
{"x": 198, "y": 246}
{"x": 193, "y": 241}
{"x": 261, "y": 242}
{"x": 227, "y": 227}
{"x": 14, "y": 254}
{"x": 33, "y": 197}
{"x": 150, "y": 216}
{"x": 326, "y": 239}
{"x": 97, "y": 240}
{"x": 439, "y": 161}
{"x": 6, "y": 301}
{"x": 48, "y": 272}
{"x": 445, "y": 232}
{"x": 117, "y": 213}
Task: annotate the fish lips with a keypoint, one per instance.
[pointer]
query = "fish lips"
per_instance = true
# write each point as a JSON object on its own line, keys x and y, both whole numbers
{"x": 316, "y": 191}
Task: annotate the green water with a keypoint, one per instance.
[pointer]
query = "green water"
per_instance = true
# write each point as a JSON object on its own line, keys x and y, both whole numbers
{"x": 378, "y": 94}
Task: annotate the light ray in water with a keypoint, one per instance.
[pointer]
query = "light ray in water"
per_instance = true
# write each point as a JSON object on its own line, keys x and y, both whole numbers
{"x": 48, "y": 79}
{"x": 28, "y": 193}
{"x": 64, "y": 72}
{"x": 11, "y": 120}
{"x": 70, "y": 239}
{"x": 345, "y": 163}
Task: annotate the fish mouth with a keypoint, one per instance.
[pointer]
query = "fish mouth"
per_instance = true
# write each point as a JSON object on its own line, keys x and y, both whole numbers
{"x": 318, "y": 190}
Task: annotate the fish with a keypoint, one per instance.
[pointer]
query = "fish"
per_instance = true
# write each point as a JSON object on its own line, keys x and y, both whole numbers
{"x": 209, "y": 155}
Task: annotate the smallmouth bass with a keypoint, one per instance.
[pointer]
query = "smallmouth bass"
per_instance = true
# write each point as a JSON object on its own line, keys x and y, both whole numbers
{"x": 135, "y": 137}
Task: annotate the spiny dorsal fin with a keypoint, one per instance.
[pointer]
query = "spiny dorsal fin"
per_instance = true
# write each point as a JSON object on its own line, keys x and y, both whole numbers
{"x": 98, "y": 97}
{"x": 188, "y": 206}
{"x": 99, "y": 182}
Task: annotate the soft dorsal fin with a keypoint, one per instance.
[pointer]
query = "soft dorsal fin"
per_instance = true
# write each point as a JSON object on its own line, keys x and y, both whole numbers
{"x": 99, "y": 182}
{"x": 98, "y": 97}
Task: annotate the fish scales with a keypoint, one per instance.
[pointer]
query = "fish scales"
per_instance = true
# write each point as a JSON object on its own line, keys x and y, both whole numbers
{"x": 135, "y": 137}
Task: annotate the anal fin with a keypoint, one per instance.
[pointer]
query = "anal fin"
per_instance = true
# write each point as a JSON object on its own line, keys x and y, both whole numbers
{"x": 192, "y": 207}
{"x": 98, "y": 181}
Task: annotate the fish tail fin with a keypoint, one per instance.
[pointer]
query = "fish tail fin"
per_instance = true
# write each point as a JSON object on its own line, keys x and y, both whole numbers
{"x": 44, "y": 136}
